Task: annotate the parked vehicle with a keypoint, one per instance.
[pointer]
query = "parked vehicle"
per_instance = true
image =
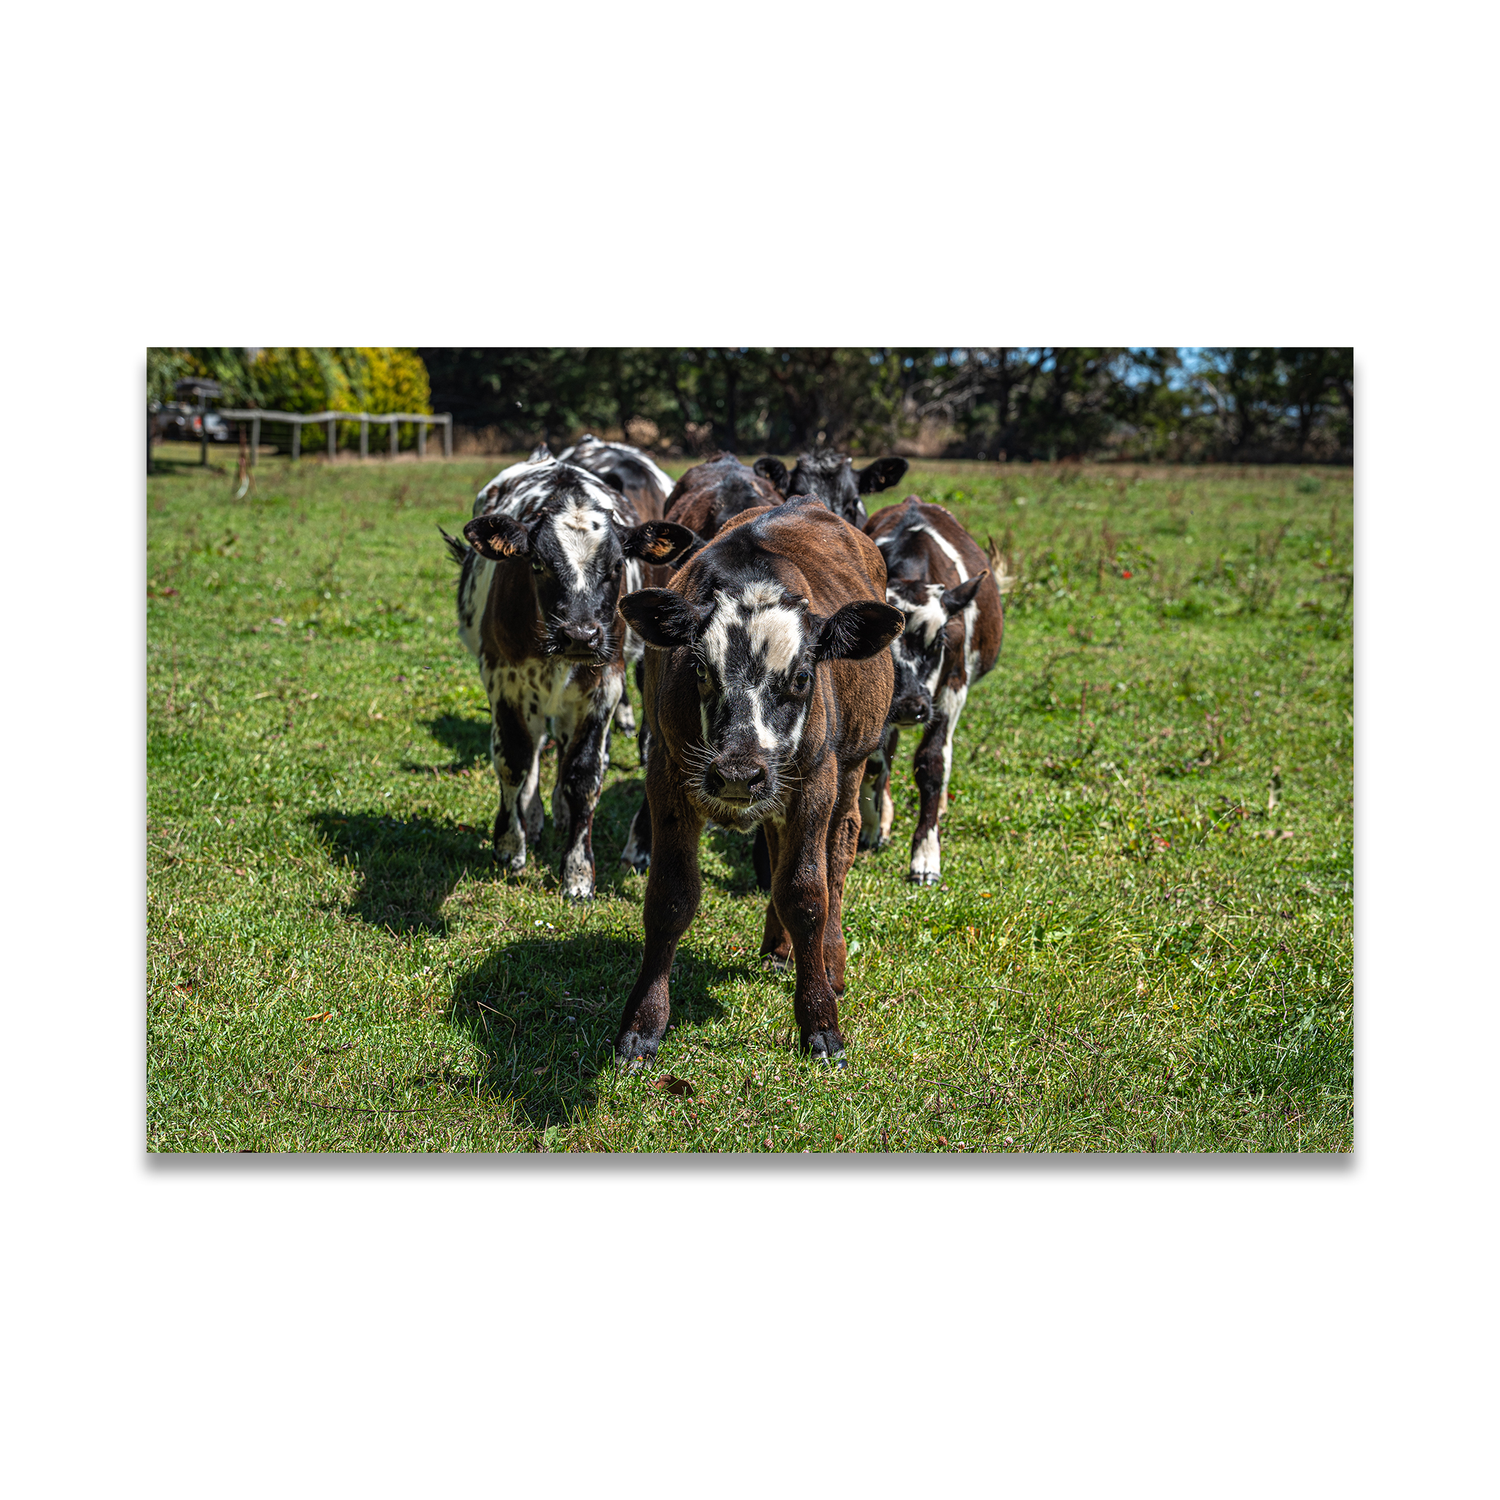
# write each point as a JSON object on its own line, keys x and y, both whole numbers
{"x": 176, "y": 421}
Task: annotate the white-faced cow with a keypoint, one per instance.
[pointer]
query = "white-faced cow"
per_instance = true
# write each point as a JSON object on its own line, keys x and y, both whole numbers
{"x": 636, "y": 475}
{"x": 831, "y": 477}
{"x": 938, "y": 578}
{"x": 766, "y": 693}
{"x": 548, "y": 549}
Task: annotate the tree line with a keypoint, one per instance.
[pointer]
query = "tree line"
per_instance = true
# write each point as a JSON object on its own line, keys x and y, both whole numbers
{"x": 1170, "y": 404}
{"x": 1222, "y": 404}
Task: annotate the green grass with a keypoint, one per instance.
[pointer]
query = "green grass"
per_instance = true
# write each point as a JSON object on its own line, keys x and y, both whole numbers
{"x": 1129, "y": 952}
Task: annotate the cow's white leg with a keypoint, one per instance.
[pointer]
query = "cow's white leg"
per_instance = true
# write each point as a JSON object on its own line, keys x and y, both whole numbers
{"x": 531, "y": 803}
{"x": 580, "y": 776}
{"x": 952, "y": 705}
{"x": 513, "y": 755}
{"x": 934, "y": 765}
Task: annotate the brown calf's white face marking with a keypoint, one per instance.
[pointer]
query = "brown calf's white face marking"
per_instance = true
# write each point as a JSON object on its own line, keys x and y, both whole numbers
{"x": 750, "y": 650}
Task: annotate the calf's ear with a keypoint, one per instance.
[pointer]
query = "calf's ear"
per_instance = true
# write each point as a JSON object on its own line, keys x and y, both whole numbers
{"x": 880, "y": 475}
{"x": 538, "y": 453}
{"x": 774, "y": 470}
{"x": 857, "y": 631}
{"x": 663, "y": 618}
{"x": 662, "y": 542}
{"x": 961, "y": 595}
{"x": 497, "y": 537}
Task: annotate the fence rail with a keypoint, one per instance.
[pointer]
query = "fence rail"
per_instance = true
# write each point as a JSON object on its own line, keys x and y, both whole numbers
{"x": 297, "y": 420}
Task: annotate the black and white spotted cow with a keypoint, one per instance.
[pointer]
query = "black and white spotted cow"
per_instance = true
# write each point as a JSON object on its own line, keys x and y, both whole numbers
{"x": 637, "y": 476}
{"x": 549, "y": 548}
{"x": 831, "y": 477}
{"x": 940, "y": 580}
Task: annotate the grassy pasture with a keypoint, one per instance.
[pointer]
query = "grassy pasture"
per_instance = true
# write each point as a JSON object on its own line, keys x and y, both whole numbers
{"x": 1143, "y": 942}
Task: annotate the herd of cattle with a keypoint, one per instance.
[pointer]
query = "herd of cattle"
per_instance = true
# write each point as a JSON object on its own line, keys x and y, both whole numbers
{"x": 792, "y": 638}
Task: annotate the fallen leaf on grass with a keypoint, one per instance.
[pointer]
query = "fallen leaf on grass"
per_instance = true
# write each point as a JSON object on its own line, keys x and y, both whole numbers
{"x": 326, "y": 1015}
{"x": 678, "y": 1086}
{"x": 942, "y": 1140}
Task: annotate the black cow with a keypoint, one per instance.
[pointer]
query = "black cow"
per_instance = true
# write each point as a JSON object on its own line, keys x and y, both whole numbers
{"x": 831, "y": 477}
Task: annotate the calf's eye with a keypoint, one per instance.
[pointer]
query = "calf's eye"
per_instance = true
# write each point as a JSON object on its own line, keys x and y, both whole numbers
{"x": 702, "y": 672}
{"x": 801, "y": 680}
{"x": 536, "y": 567}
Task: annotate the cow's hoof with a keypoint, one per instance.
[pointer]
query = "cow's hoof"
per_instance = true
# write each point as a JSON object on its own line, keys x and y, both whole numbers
{"x": 923, "y": 877}
{"x": 825, "y": 1047}
{"x": 638, "y": 860}
{"x": 634, "y": 1049}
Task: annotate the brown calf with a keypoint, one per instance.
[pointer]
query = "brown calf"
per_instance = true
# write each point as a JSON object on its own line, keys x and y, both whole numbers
{"x": 766, "y": 693}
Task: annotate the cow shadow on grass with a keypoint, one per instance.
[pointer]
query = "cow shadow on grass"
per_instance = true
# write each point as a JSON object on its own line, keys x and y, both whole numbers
{"x": 468, "y": 739}
{"x": 408, "y": 867}
{"x": 542, "y": 1014}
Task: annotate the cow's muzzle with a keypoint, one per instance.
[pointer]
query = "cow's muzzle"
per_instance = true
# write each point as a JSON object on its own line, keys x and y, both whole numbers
{"x": 738, "y": 780}
{"x": 580, "y": 642}
{"x": 911, "y": 710}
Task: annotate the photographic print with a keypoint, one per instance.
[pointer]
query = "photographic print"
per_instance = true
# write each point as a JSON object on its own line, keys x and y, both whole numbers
{"x": 750, "y": 750}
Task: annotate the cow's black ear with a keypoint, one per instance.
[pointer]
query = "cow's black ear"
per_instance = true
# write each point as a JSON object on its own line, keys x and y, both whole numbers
{"x": 662, "y": 617}
{"x": 961, "y": 595}
{"x": 662, "y": 542}
{"x": 497, "y": 538}
{"x": 880, "y": 475}
{"x": 857, "y": 631}
{"x": 613, "y": 480}
{"x": 774, "y": 470}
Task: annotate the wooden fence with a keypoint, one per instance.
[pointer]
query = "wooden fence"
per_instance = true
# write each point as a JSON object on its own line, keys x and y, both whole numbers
{"x": 298, "y": 420}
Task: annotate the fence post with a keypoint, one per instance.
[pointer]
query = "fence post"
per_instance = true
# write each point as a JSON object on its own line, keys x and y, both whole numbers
{"x": 254, "y": 439}
{"x": 364, "y": 436}
{"x": 448, "y": 436}
{"x": 296, "y": 440}
{"x": 333, "y": 439}
{"x": 394, "y": 438}
{"x": 421, "y": 440}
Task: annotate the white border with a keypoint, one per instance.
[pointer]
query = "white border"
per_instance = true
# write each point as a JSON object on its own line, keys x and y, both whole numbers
{"x": 802, "y": 174}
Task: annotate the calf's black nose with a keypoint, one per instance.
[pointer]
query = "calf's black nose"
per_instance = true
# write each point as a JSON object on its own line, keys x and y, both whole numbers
{"x": 584, "y": 637}
{"x": 736, "y": 781}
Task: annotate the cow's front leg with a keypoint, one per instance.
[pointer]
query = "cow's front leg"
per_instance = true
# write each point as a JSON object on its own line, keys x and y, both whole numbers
{"x": 799, "y": 887}
{"x": 843, "y": 844}
{"x": 673, "y": 891}
{"x": 513, "y": 755}
{"x": 580, "y": 776}
{"x": 931, "y": 771}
